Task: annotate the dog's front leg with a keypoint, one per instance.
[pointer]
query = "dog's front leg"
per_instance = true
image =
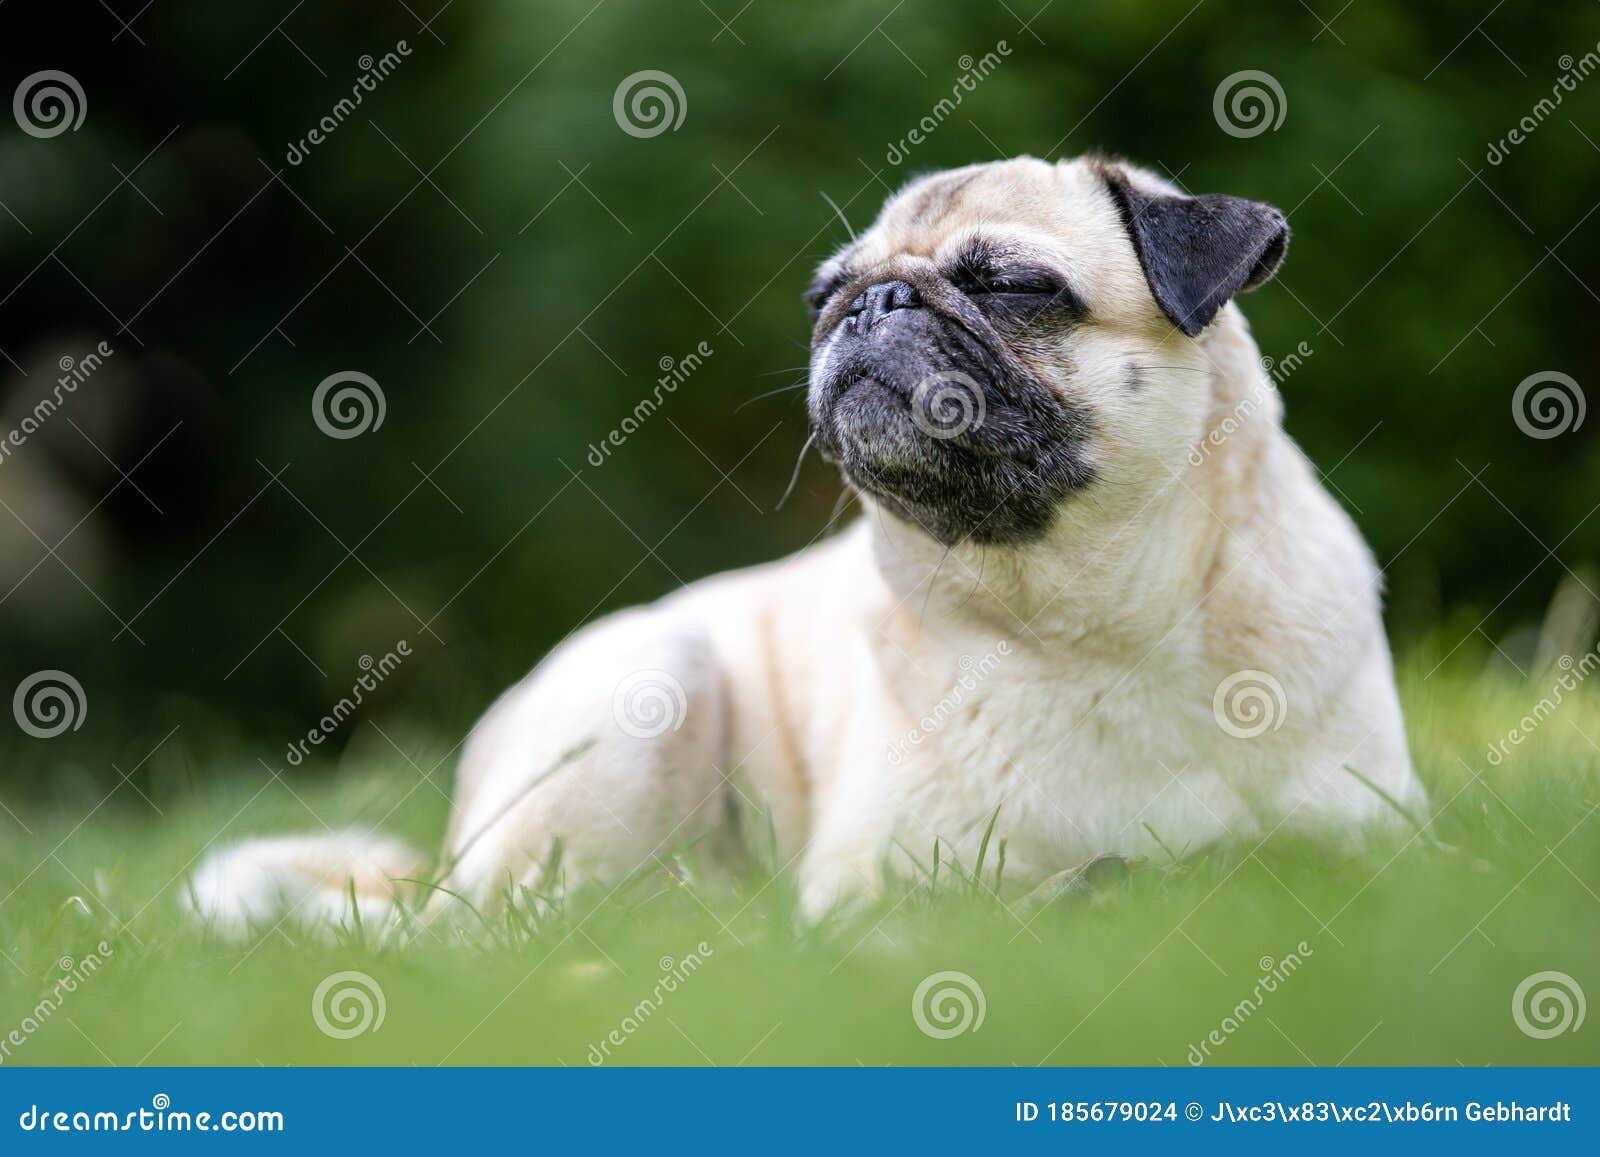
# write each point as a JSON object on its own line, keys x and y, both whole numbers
{"x": 602, "y": 762}
{"x": 843, "y": 866}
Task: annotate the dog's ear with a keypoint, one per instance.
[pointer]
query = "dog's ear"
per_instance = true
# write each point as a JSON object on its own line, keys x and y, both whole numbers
{"x": 1197, "y": 252}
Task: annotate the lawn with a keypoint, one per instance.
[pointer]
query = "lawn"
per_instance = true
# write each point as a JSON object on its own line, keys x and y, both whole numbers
{"x": 1273, "y": 955}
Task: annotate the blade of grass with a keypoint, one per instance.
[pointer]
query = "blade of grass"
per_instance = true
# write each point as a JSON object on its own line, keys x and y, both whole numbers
{"x": 561, "y": 764}
{"x": 1160, "y": 843}
{"x": 1395, "y": 804}
{"x": 983, "y": 847}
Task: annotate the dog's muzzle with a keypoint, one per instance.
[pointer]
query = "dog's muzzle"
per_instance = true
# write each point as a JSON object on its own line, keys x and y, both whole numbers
{"x": 916, "y": 399}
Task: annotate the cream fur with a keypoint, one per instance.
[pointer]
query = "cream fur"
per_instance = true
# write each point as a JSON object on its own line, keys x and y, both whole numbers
{"x": 1094, "y": 657}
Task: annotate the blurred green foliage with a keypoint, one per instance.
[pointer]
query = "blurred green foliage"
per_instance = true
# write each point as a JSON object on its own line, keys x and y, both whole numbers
{"x": 483, "y": 239}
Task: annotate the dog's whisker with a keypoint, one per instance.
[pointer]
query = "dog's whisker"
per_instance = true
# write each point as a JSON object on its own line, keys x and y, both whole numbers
{"x": 770, "y": 394}
{"x": 795, "y": 477}
{"x": 840, "y": 504}
{"x": 845, "y": 221}
{"x": 983, "y": 558}
{"x": 933, "y": 580}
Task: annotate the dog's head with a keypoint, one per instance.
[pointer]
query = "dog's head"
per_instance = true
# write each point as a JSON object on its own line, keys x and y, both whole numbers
{"x": 1008, "y": 334}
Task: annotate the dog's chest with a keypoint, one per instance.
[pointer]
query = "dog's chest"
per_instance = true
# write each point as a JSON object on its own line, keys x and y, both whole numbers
{"x": 1081, "y": 756}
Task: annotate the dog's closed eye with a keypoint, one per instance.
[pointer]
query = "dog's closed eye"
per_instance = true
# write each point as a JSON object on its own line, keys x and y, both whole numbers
{"x": 1009, "y": 283}
{"x": 985, "y": 272}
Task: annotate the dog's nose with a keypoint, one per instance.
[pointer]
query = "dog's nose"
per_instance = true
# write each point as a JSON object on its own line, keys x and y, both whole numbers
{"x": 874, "y": 302}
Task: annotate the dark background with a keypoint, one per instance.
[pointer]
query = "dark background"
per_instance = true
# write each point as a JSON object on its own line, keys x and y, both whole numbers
{"x": 510, "y": 266}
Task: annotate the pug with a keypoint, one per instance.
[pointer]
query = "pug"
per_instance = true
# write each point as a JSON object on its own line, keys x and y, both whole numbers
{"x": 1096, "y": 602}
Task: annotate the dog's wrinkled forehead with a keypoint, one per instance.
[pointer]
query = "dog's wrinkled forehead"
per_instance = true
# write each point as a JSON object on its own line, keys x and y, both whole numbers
{"x": 1060, "y": 213}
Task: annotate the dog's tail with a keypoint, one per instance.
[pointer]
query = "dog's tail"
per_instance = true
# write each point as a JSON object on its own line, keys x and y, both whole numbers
{"x": 349, "y": 877}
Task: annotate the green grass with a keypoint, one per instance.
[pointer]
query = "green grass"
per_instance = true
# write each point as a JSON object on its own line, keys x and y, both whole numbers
{"x": 1414, "y": 955}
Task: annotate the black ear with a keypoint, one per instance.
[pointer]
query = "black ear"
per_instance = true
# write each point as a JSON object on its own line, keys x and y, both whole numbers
{"x": 1197, "y": 252}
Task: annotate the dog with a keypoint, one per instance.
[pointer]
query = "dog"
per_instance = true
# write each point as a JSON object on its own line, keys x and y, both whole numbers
{"x": 1097, "y": 601}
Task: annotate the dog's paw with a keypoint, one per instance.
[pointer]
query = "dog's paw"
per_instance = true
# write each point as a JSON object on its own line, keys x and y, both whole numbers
{"x": 840, "y": 891}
